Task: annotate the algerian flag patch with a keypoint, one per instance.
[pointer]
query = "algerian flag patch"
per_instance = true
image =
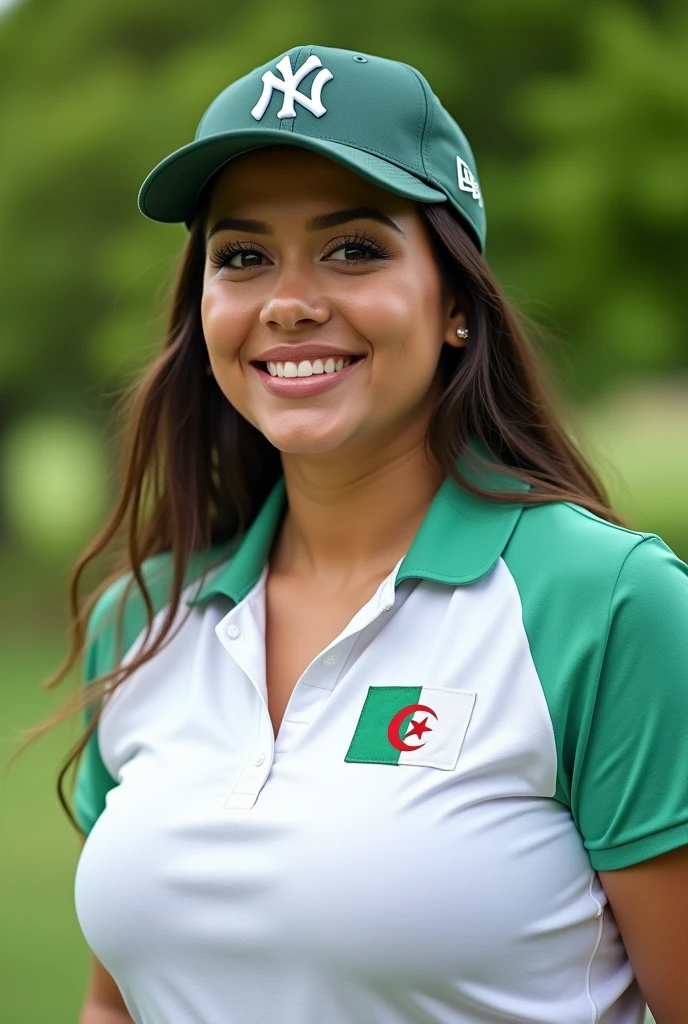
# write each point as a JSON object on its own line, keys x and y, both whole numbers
{"x": 422, "y": 725}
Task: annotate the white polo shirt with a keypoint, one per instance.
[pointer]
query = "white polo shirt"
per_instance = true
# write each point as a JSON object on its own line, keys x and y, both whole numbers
{"x": 507, "y": 715}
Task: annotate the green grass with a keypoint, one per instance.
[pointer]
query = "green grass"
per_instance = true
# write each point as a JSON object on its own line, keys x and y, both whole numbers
{"x": 45, "y": 960}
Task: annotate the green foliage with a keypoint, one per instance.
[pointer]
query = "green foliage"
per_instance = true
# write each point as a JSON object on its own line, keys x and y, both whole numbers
{"x": 604, "y": 203}
{"x": 55, "y": 483}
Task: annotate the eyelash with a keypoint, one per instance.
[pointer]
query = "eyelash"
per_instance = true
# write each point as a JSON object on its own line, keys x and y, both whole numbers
{"x": 223, "y": 255}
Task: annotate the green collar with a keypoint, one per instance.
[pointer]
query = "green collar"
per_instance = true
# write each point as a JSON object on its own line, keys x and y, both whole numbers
{"x": 459, "y": 540}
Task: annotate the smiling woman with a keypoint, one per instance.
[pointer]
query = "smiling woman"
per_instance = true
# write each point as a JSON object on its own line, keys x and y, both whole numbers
{"x": 288, "y": 299}
{"x": 384, "y": 702}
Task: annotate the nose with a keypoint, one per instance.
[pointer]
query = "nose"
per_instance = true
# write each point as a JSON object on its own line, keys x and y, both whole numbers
{"x": 294, "y": 302}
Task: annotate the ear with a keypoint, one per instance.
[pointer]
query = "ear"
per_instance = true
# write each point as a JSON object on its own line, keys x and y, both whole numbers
{"x": 456, "y": 317}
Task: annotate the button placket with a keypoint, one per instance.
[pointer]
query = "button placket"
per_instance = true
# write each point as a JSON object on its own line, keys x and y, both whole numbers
{"x": 318, "y": 674}
{"x": 333, "y": 654}
{"x": 251, "y": 779}
{"x": 244, "y": 644}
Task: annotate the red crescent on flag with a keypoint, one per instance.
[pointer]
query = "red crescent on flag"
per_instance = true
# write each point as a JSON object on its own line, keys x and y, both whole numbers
{"x": 395, "y": 725}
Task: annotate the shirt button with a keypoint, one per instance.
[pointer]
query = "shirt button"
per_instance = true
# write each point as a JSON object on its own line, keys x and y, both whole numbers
{"x": 259, "y": 760}
{"x": 233, "y": 631}
{"x": 330, "y": 659}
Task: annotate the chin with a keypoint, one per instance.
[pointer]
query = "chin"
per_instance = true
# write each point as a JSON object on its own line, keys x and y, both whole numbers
{"x": 303, "y": 436}
{"x": 305, "y": 446}
{"x": 305, "y": 442}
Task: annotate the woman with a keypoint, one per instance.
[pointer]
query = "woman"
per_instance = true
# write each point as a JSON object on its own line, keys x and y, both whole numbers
{"x": 389, "y": 701}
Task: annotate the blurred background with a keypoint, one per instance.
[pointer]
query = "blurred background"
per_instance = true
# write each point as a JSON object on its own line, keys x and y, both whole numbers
{"x": 578, "y": 115}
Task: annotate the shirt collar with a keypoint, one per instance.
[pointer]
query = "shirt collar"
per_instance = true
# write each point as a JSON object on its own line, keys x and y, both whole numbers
{"x": 458, "y": 542}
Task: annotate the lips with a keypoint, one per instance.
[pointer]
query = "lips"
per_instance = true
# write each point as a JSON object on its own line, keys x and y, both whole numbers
{"x": 304, "y": 387}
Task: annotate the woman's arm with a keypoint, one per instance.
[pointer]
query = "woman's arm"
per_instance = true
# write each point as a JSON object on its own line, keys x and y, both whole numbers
{"x": 650, "y": 904}
{"x": 104, "y": 1003}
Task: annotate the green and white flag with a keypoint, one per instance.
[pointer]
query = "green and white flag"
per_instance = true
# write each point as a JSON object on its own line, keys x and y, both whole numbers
{"x": 421, "y": 725}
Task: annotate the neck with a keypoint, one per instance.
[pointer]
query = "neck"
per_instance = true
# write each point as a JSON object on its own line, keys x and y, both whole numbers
{"x": 350, "y": 520}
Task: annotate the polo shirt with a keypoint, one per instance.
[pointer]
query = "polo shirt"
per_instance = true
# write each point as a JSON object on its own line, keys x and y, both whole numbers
{"x": 506, "y": 715}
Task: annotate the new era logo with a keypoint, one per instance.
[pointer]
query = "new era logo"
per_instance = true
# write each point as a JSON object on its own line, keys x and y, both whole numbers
{"x": 467, "y": 180}
{"x": 289, "y": 84}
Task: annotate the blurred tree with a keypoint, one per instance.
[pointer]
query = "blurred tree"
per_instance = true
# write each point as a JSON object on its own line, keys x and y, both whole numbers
{"x": 600, "y": 205}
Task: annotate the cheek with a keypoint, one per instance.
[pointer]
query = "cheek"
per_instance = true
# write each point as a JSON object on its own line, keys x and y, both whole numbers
{"x": 222, "y": 321}
{"x": 402, "y": 322}
{"x": 224, "y": 328}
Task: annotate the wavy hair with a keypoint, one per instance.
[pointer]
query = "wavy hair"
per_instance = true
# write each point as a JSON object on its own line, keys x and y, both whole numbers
{"x": 194, "y": 472}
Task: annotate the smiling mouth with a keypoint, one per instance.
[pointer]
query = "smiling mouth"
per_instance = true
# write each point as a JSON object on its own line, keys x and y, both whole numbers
{"x": 306, "y": 367}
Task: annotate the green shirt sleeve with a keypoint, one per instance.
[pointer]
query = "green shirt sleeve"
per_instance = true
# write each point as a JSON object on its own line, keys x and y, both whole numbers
{"x": 630, "y": 782}
{"x": 93, "y": 779}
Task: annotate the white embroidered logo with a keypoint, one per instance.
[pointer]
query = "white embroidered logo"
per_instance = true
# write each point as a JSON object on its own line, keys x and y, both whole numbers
{"x": 467, "y": 180}
{"x": 289, "y": 86}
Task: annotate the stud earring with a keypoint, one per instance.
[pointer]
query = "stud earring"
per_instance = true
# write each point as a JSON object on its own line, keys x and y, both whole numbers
{"x": 462, "y": 332}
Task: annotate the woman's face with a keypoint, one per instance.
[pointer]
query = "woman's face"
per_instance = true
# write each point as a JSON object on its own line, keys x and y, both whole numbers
{"x": 350, "y": 286}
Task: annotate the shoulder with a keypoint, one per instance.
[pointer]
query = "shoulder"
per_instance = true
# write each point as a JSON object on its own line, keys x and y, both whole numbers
{"x": 122, "y": 605}
{"x": 583, "y": 582}
{"x": 564, "y": 543}
{"x": 566, "y": 523}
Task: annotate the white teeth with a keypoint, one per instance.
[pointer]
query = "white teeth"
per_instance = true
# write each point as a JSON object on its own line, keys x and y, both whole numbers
{"x": 306, "y": 369}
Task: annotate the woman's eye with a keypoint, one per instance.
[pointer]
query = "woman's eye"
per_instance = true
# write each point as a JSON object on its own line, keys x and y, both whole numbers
{"x": 354, "y": 253}
{"x": 238, "y": 259}
{"x": 236, "y": 256}
{"x": 371, "y": 249}
{"x": 239, "y": 256}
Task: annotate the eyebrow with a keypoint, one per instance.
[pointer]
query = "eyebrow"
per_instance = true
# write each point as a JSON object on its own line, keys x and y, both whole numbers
{"x": 319, "y": 223}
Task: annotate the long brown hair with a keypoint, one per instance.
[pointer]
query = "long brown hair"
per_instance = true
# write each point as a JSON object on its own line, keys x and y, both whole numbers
{"x": 195, "y": 473}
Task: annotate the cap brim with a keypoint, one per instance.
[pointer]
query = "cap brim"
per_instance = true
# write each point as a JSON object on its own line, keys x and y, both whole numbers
{"x": 171, "y": 190}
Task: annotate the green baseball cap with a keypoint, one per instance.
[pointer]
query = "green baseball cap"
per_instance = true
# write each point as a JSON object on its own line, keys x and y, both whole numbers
{"x": 375, "y": 116}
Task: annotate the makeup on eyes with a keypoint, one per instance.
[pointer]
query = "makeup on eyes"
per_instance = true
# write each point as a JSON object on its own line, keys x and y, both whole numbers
{"x": 361, "y": 240}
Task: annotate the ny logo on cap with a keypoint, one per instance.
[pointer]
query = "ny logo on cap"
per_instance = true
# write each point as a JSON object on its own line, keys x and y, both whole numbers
{"x": 467, "y": 180}
{"x": 289, "y": 86}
